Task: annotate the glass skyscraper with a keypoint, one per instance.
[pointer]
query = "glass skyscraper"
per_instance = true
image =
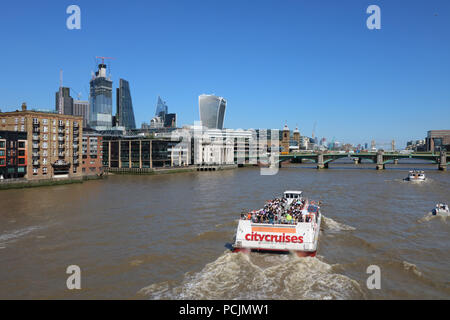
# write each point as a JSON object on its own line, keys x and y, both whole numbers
{"x": 212, "y": 111}
{"x": 125, "y": 114}
{"x": 100, "y": 113}
{"x": 161, "y": 109}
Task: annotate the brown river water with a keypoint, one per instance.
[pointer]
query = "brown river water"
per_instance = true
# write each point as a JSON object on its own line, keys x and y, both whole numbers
{"x": 168, "y": 236}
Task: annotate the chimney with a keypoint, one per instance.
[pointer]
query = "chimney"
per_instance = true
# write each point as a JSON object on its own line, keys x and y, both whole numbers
{"x": 24, "y": 106}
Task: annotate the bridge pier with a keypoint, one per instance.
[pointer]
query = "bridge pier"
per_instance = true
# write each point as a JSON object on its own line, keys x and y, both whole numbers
{"x": 395, "y": 161}
{"x": 380, "y": 162}
{"x": 443, "y": 161}
{"x": 320, "y": 164}
{"x": 356, "y": 160}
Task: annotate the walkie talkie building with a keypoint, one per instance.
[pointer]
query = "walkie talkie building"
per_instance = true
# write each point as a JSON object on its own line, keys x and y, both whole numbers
{"x": 212, "y": 110}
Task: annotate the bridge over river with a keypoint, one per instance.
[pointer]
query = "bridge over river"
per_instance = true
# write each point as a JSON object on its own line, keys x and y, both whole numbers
{"x": 380, "y": 158}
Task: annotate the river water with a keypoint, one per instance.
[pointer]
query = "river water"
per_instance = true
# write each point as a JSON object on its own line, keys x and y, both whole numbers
{"x": 168, "y": 236}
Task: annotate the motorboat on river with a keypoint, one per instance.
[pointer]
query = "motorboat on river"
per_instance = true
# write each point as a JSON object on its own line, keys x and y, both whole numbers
{"x": 287, "y": 224}
{"x": 441, "y": 209}
{"x": 416, "y": 175}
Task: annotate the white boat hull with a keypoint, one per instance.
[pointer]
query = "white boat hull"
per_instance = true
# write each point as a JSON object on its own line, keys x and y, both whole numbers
{"x": 301, "y": 238}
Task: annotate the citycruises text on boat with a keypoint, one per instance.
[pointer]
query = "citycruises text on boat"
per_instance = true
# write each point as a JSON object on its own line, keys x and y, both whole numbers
{"x": 287, "y": 224}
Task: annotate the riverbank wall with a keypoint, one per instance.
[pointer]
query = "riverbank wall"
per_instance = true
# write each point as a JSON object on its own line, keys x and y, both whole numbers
{"x": 23, "y": 183}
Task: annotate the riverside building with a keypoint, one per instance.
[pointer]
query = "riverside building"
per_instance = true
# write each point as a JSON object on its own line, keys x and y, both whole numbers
{"x": 13, "y": 154}
{"x": 92, "y": 154}
{"x": 53, "y": 142}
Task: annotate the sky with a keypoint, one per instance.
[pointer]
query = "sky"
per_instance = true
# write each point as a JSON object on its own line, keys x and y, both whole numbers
{"x": 280, "y": 61}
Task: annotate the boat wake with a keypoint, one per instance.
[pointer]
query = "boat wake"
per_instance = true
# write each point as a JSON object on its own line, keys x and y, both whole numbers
{"x": 430, "y": 216}
{"x": 11, "y": 236}
{"x": 332, "y": 225}
{"x": 259, "y": 276}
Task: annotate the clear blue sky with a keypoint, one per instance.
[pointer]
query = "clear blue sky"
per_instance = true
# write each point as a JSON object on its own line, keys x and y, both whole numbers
{"x": 300, "y": 61}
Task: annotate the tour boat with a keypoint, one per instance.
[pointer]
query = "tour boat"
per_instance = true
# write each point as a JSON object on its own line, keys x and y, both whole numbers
{"x": 441, "y": 209}
{"x": 299, "y": 235}
{"x": 416, "y": 175}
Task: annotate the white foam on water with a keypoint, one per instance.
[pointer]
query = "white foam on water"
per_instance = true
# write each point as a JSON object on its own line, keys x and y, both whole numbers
{"x": 410, "y": 267}
{"x": 11, "y": 236}
{"x": 430, "y": 216}
{"x": 257, "y": 276}
{"x": 332, "y": 225}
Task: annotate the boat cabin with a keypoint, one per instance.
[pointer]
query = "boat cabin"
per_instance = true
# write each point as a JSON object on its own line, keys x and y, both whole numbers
{"x": 292, "y": 195}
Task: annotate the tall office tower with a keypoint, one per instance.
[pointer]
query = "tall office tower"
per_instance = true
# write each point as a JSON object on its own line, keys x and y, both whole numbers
{"x": 100, "y": 101}
{"x": 125, "y": 114}
{"x": 212, "y": 111}
{"x": 65, "y": 106}
{"x": 161, "y": 108}
{"x": 81, "y": 108}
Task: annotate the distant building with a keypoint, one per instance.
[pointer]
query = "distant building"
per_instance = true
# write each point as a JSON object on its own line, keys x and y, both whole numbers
{"x": 66, "y": 104}
{"x": 156, "y": 123}
{"x": 170, "y": 121}
{"x": 161, "y": 108}
{"x": 212, "y": 111}
{"x": 136, "y": 152}
{"x": 81, "y": 109}
{"x": 438, "y": 140}
{"x": 100, "y": 113}
{"x": 125, "y": 113}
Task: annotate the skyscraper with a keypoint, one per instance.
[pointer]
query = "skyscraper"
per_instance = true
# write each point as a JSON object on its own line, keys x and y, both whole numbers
{"x": 125, "y": 114}
{"x": 161, "y": 108}
{"x": 81, "y": 108}
{"x": 66, "y": 105}
{"x": 100, "y": 113}
{"x": 212, "y": 110}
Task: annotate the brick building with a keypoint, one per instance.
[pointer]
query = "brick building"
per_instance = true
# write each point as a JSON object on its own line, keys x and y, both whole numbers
{"x": 13, "y": 154}
{"x": 53, "y": 143}
{"x": 92, "y": 153}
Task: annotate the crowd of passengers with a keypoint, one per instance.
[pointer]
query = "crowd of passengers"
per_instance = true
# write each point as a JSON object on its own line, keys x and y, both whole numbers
{"x": 278, "y": 211}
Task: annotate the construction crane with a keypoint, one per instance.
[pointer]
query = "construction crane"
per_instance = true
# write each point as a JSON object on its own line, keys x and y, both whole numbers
{"x": 314, "y": 129}
{"x": 103, "y": 59}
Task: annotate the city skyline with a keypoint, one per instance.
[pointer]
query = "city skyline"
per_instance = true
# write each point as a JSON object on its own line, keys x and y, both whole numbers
{"x": 358, "y": 84}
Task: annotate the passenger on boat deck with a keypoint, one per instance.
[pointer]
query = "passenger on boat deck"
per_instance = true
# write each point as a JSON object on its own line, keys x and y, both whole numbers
{"x": 275, "y": 211}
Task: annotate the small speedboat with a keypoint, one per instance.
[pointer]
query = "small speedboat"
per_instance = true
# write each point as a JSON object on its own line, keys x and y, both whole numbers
{"x": 416, "y": 175}
{"x": 441, "y": 209}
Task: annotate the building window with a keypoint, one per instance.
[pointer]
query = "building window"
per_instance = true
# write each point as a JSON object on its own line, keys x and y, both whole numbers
{"x": 15, "y": 128}
{"x": 21, "y": 144}
{"x": 44, "y": 170}
{"x": 45, "y": 129}
{"x": 21, "y": 161}
{"x": 44, "y": 121}
{"x": 16, "y": 120}
{"x": 35, "y": 171}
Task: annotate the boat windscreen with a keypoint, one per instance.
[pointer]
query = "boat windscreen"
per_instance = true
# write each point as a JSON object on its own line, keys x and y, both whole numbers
{"x": 312, "y": 209}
